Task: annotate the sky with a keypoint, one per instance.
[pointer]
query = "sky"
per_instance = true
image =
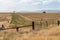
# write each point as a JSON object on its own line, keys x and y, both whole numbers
{"x": 28, "y": 5}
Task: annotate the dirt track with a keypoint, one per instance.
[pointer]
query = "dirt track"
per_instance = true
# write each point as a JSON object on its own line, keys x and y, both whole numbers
{"x": 26, "y": 18}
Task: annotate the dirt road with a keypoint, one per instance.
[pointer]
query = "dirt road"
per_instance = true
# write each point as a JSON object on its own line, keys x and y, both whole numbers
{"x": 26, "y": 18}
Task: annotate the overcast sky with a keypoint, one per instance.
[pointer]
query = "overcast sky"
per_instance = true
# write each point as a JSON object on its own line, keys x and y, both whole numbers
{"x": 29, "y": 5}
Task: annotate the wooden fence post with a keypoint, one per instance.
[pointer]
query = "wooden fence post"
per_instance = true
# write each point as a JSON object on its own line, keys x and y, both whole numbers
{"x": 46, "y": 24}
{"x": 58, "y": 22}
{"x": 41, "y": 24}
{"x": 3, "y": 26}
{"x": 33, "y": 25}
{"x": 17, "y": 29}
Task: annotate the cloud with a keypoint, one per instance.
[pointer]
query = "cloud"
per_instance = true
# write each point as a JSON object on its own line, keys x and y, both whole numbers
{"x": 25, "y": 1}
{"x": 20, "y": 5}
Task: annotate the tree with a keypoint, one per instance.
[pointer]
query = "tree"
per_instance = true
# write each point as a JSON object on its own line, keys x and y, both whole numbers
{"x": 44, "y": 12}
{"x": 14, "y": 18}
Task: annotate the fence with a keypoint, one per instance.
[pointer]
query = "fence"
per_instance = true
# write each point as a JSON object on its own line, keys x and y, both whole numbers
{"x": 35, "y": 25}
{"x": 45, "y": 23}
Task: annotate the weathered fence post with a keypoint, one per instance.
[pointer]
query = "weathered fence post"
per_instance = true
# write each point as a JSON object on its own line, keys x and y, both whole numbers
{"x": 40, "y": 24}
{"x": 17, "y": 29}
{"x": 46, "y": 24}
{"x": 33, "y": 25}
{"x": 58, "y": 22}
{"x": 3, "y": 26}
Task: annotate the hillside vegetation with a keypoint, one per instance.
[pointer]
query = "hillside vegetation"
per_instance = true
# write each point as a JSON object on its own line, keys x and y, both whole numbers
{"x": 51, "y": 32}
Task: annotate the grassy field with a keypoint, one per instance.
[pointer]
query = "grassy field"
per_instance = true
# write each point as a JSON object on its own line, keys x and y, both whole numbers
{"x": 48, "y": 20}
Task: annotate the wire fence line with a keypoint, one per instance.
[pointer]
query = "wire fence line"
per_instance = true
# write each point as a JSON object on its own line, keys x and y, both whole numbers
{"x": 34, "y": 25}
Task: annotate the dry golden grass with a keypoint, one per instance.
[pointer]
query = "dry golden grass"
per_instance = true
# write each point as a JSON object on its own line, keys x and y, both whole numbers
{"x": 47, "y": 34}
{"x": 44, "y": 34}
{"x": 50, "y": 33}
{"x": 38, "y": 16}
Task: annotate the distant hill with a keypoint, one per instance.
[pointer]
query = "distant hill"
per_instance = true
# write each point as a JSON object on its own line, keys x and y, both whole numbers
{"x": 49, "y": 10}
